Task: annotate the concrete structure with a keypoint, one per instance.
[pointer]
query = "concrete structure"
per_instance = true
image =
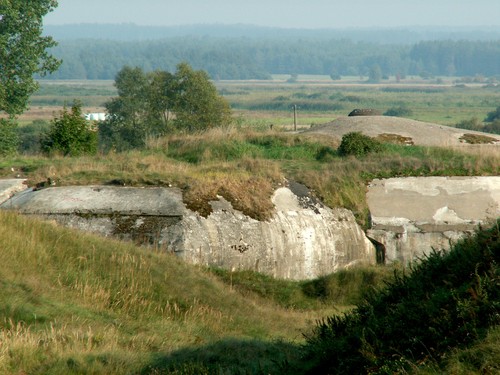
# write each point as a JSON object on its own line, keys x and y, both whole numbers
{"x": 10, "y": 187}
{"x": 410, "y": 216}
{"x": 304, "y": 239}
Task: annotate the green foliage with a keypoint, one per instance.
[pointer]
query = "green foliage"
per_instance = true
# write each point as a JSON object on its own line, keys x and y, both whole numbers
{"x": 493, "y": 127}
{"x": 470, "y": 124}
{"x": 70, "y": 134}
{"x": 449, "y": 300}
{"x": 198, "y": 106}
{"x": 147, "y": 101}
{"x": 326, "y": 154}
{"x": 8, "y": 137}
{"x": 358, "y": 144}
{"x": 343, "y": 288}
{"x": 401, "y": 111}
{"x": 493, "y": 115}
{"x": 23, "y": 51}
{"x": 31, "y": 135}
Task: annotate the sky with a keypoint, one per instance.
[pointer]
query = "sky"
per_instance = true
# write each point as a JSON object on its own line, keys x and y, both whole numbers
{"x": 309, "y": 14}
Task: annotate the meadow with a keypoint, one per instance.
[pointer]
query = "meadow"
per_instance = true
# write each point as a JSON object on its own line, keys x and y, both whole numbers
{"x": 442, "y": 100}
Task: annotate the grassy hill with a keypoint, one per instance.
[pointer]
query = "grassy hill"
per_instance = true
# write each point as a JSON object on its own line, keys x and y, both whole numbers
{"x": 78, "y": 304}
{"x": 73, "y": 303}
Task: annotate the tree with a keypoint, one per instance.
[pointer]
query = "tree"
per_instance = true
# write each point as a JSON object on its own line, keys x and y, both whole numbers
{"x": 23, "y": 53}
{"x": 70, "y": 134}
{"x": 375, "y": 74}
{"x": 161, "y": 99}
{"x": 198, "y": 106}
{"x": 153, "y": 104}
{"x": 126, "y": 126}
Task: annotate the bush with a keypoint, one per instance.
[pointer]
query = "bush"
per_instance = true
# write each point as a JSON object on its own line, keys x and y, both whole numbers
{"x": 30, "y": 136}
{"x": 493, "y": 115}
{"x": 493, "y": 127}
{"x": 70, "y": 134}
{"x": 472, "y": 124}
{"x": 8, "y": 137}
{"x": 448, "y": 301}
{"x": 358, "y": 144}
{"x": 400, "y": 111}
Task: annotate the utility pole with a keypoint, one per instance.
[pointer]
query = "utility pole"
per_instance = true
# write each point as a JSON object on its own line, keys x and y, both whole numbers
{"x": 295, "y": 117}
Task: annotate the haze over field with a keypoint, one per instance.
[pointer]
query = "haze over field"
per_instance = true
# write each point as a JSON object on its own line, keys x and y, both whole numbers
{"x": 281, "y": 13}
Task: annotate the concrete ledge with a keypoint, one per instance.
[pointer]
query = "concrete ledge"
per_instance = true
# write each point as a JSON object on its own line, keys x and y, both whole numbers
{"x": 10, "y": 187}
{"x": 99, "y": 200}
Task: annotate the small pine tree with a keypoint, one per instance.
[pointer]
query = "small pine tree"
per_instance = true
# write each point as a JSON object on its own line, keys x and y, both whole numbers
{"x": 70, "y": 134}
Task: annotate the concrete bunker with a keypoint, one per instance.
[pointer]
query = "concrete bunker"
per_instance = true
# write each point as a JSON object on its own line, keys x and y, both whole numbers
{"x": 302, "y": 240}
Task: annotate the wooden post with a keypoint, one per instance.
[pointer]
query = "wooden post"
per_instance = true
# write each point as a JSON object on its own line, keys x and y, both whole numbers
{"x": 295, "y": 117}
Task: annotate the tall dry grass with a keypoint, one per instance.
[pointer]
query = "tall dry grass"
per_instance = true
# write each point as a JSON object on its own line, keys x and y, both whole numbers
{"x": 76, "y": 303}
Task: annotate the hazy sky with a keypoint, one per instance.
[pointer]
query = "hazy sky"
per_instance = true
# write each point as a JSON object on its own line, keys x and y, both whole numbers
{"x": 281, "y": 13}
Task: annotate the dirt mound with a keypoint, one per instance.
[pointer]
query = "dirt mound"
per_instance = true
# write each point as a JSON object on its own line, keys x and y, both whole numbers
{"x": 414, "y": 132}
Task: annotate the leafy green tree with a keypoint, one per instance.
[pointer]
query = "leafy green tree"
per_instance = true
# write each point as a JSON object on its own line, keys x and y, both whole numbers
{"x": 161, "y": 99}
{"x": 70, "y": 134}
{"x": 126, "y": 126}
{"x": 23, "y": 53}
{"x": 198, "y": 106}
{"x": 153, "y": 104}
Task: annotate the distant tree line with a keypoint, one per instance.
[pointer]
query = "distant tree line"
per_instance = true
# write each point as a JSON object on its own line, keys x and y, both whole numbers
{"x": 247, "y": 58}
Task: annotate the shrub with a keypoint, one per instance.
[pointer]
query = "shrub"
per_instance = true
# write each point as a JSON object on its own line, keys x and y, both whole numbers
{"x": 401, "y": 111}
{"x": 448, "y": 301}
{"x": 358, "y": 144}
{"x": 493, "y": 127}
{"x": 30, "y": 136}
{"x": 8, "y": 137}
{"x": 471, "y": 124}
{"x": 70, "y": 134}
{"x": 493, "y": 115}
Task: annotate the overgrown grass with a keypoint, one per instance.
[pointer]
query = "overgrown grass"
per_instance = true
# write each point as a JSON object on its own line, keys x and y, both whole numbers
{"x": 246, "y": 166}
{"x": 448, "y": 301}
{"x": 74, "y": 303}
{"x": 342, "y": 288}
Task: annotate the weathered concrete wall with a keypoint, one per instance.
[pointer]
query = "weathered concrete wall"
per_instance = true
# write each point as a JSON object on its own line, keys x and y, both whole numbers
{"x": 302, "y": 240}
{"x": 296, "y": 243}
{"x": 410, "y": 216}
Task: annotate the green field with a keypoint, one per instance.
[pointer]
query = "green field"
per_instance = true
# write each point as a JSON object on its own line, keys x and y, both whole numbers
{"x": 318, "y": 98}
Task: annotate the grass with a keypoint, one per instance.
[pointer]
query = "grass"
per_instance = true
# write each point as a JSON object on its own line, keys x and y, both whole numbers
{"x": 75, "y": 303}
{"x": 448, "y": 301}
{"x": 245, "y": 166}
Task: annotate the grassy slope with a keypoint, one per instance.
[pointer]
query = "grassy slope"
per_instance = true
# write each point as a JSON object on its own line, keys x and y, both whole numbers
{"x": 78, "y": 304}
{"x": 75, "y": 303}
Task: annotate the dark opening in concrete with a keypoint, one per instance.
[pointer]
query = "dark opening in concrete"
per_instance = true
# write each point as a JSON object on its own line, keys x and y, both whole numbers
{"x": 379, "y": 251}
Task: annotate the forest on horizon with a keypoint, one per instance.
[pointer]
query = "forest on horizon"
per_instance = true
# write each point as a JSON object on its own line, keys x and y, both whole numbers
{"x": 95, "y": 51}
